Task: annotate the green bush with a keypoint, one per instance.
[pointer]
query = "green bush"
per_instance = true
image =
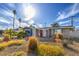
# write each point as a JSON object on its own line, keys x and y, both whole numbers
{"x": 48, "y": 50}
{"x": 21, "y": 34}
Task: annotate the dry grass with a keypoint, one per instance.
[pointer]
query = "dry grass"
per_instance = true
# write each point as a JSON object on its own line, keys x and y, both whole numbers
{"x": 19, "y": 53}
{"x": 20, "y": 47}
{"x": 14, "y": 50}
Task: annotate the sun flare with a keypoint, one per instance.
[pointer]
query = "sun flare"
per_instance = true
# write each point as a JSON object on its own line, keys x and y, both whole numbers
{"x": 29, "y": 12}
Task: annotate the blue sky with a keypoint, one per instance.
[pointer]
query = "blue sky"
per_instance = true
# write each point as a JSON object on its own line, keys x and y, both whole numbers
{"x": 45, "y": 14}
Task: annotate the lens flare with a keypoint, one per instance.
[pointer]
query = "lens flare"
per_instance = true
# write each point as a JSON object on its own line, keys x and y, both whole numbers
{"x": 29, "y": 12}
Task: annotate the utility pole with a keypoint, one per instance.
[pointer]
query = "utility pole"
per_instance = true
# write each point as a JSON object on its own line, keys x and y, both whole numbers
{"x": 45, "y": 24}
{"x": 14, "y": 12}
{"x": 72, "y": 21}
{"x": 19, "y": 22}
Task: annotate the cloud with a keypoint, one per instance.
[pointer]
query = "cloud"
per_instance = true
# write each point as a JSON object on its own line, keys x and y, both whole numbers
{"x": 71, "y": 11}
{"x": 64, "y": 22}
{"x": 2, "y": 28}
{"x": 16, "y": 23}
{"x": 27, "y": 19}
{"x": 31, "y": 22}
{"x": 39, "y": 25}
{"x": 4, "y": 20}
{"x": 35, "y": 26}
{"x": 7, "y": 13}
{"x": 24, "y": 25}
{"x": 28, "y": 11}
{"x": 76, "y": 27}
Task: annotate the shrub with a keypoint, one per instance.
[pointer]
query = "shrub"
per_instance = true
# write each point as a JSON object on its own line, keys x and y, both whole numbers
{"x": 19, "y": 42}
{"x": 21, "y": 34}
{"x": 15, "y": 42}
{"x": 1, "y": 39}
{"x": 10, "y": 33}
{"x": 10, "y": 43}
{"x": 48, "y": 50}
{"x": 58, "y": 36}
{"x": 6, "y": 38}
{"x": 32, "y": 45}
{"x": 3, "y": 45}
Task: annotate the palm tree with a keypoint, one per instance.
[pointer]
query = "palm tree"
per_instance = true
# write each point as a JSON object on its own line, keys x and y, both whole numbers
{"x": 72, "y": 21}
{"x": 14, "y": 12}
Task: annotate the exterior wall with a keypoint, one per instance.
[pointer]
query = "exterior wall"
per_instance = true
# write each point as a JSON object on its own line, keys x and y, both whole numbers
{"x": 44, "y": 32}
{"x": 74, "y": 34}
{"x": 37, "y": 32}
{"x": 66, "y": 33}
{"x": 48, "y": 32}
{"x": 33, "y": 31}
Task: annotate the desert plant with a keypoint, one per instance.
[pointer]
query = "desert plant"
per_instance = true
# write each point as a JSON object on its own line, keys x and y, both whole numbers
{"x": 32, "y": 45}
{"x": 10, "y": 33}
{"x": 3, "y": 45}
{"x": 10, "y": 43}
{"x": 15, "y": 42}
{"x": 19, "y": 42}
{"x": 6, "y": 37}
{"x": 48, "y": 50}
{"x": 58, "y": 37}
{"x": 1, "y": 39}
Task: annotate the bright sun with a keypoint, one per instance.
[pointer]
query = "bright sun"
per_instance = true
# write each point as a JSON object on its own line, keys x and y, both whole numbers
{"x": 29, "y": 12}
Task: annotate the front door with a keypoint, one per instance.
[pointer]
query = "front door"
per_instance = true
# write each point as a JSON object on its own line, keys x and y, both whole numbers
{"x": 41, "y": 33}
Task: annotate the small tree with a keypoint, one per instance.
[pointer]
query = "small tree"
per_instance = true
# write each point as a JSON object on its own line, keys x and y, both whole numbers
{"x": 21, "y": 34}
